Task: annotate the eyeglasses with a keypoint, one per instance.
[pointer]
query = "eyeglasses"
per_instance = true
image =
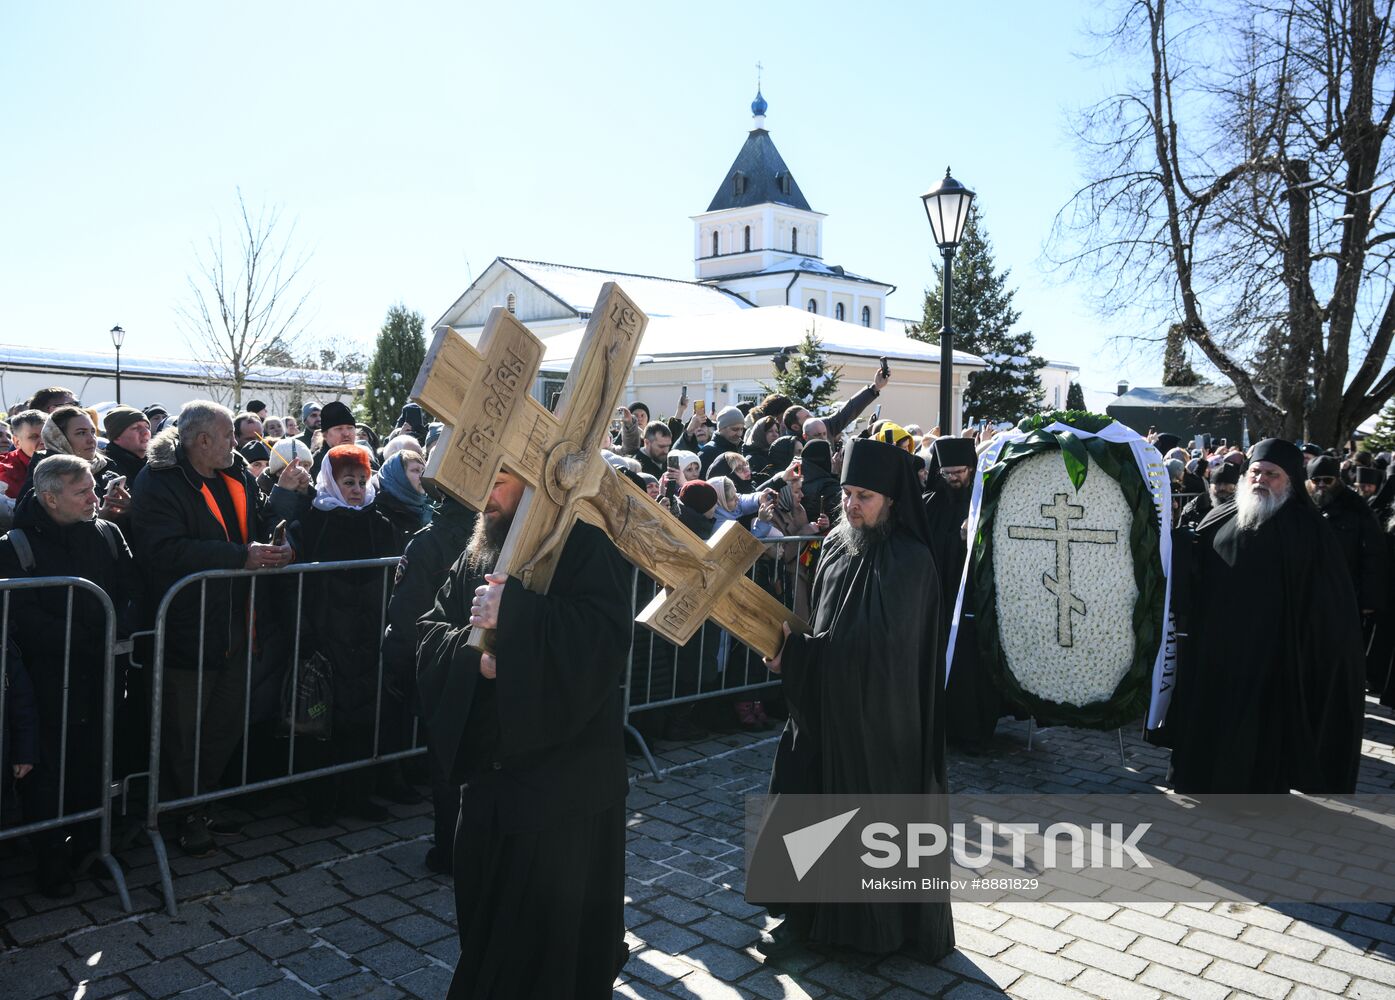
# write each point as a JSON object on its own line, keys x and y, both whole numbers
{"x": 1324, "y": 480}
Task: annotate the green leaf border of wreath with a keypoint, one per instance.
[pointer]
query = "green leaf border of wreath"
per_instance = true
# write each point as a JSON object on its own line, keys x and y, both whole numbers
{"x": 1116, "y": 460}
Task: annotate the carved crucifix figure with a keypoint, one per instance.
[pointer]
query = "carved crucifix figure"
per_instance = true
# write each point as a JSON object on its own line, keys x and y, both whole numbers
{"x": 491, "y": 421}
{"x": 1062, "y": 512}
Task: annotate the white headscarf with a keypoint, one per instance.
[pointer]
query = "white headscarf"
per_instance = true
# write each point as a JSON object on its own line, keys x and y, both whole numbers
{"x": 328, "y": 495}
{"x": 286, "y": 451}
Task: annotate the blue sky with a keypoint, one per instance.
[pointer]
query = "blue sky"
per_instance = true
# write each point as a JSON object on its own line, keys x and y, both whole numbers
{"x": 412, "y": 143}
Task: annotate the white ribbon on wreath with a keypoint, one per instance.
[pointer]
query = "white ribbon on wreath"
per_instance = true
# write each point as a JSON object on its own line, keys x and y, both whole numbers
{"x": 1150, "y": 464}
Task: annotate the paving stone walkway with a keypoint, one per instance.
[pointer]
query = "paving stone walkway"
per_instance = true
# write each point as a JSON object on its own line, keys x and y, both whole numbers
{"x": 287, "y": 910}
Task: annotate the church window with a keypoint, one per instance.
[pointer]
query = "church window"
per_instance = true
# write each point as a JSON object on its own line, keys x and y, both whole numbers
{"x": 838, "y": 311}
{"x": 748, "y": 237}
{"x": 714, "y": 243}
{"x": 512, "y": 302}
{"x": 738, "y": 184}
{"x": 866, "y": 315}
{"x": 813, "y": 306}
{"x": 794, "y": 241}
{"x": 782, "y": 181}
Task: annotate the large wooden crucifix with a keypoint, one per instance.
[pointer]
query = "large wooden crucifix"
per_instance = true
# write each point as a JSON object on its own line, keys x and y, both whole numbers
{"x": 491, "y": 421}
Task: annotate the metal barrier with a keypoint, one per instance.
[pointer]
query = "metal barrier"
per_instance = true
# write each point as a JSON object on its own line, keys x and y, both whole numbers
{"x": 713, "y": 664}
{"x": 197, "y": 791}
{"x": 101, "y": 810}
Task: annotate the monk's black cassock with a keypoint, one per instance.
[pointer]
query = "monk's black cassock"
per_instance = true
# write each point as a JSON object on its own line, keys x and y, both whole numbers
{"x": 865, "y": 698}
{"x": 1270, "y": 696}
{"x": 539, "y": 753}
{"x": 972, "y": 702}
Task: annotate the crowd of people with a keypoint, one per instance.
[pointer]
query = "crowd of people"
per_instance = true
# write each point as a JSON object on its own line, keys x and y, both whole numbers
{"x": 136, "y": 500}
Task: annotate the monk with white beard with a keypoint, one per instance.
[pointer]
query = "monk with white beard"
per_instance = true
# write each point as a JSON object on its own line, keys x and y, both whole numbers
{"x": 1270, "y": 684}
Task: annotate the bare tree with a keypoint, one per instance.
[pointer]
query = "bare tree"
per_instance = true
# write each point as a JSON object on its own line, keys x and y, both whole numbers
{"x": 1239, "y": 187}
{"x": 246, "y": 303}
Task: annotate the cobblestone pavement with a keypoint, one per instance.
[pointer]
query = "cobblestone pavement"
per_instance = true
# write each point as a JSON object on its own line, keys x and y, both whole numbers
{"x": 287, "y": 910}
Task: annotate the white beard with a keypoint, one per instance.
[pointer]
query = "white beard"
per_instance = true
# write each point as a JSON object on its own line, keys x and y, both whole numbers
{"x": 1253, "y": 508}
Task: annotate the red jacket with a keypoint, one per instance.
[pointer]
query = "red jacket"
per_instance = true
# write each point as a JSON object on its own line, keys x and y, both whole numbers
{"x": 14, "y": 470}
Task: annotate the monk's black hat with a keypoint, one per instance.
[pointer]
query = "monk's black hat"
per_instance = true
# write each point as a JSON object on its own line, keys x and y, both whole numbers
{"x": 1166, "y": 442}
{"x": 1284, "y": 454}
{"x": 955, "y": 451}
{"x": 1226, "y": 473}
{"x": 1369, "y": 476}
{"x": 888, "y": 470}
{"x": 1324, "y": 466}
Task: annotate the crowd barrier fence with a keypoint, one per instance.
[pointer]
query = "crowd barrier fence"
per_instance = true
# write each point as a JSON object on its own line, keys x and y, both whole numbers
{"x": 101, "y": 809}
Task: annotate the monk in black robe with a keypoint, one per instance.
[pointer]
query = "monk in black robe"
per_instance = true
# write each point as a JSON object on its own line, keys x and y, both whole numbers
{"x": 1270, "y": 695}
{"x": 973, "y": 704}
{"x": 865, "y": 690}
{"x": 532, "y": 733}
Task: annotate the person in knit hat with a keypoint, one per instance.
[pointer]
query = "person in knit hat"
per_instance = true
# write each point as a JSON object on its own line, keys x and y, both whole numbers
{"x": 731, "y": 432}
{"x": 128, "y": 437}
{"x": 339, "y": 427}
{"x": 697, "y": 508}
{"x": 309, "y": 421}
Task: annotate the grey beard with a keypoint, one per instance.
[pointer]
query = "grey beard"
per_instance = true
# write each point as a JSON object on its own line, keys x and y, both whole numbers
{"x": 1253, "y": 509}
{"x": 1324, "y": 497}
{"x": 485, "y": 544}
{"x": 861, "y": 541}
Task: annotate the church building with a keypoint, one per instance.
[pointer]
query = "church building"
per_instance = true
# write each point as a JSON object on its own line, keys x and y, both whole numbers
{"x": 760, "y": 285}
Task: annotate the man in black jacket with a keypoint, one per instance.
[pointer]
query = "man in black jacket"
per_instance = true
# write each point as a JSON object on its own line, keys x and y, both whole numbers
{"x": 420, "y": 573}
{"x": 800, "y": 423}
{"x": 57, "y": 533}
{"x": 196, "y": 507}
{"x": 1359, "y": 535}
{"x": 128, "y": 439}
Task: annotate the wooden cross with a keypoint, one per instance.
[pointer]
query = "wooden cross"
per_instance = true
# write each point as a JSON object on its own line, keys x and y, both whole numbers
{"x": 491, "y": 421}
{"x": 1062, "y": 511}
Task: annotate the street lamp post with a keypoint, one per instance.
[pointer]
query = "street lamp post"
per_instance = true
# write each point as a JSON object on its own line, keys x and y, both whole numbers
{"x": 118, "y": 337}
{"x": 947, "y": 205}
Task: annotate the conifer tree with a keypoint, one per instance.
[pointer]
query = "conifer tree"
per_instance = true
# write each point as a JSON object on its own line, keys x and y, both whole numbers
{"x": 397, "y": 358}
{"x": 1075, "y": 397}
{"x": 1010, "y": 387}
{"x": 807, "y": 376}
{"x": 1383, "y": 437}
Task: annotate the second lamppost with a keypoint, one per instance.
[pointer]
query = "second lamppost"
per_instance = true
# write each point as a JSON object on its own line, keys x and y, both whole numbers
{"x": 118, "y": 337}
{"x": 947, "y": 205}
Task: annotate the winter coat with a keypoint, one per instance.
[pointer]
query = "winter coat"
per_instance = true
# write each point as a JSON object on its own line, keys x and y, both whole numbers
{"x": 21, "y": 721}
{"x": 124, "y": 463}
{"x": 14, "y": 472}
{"x": 93, "y": 550}
{"x": 1363, "y": 546}
{"x": 174, "y": 533}
{"x": 404, "y": 520}
{"x": 342, "y": 614}
{"x": 424, "y": 565}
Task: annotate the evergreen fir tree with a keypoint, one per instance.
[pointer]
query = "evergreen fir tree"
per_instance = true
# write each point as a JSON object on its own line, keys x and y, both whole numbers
{"x": 1075, "y": 397}
{"x": 1010, "y": 387}
{"x": 808, "y": 378}
{"x": 397, "y": 358}
{"x": 1177, "y": 370}
{"x": 1383, "y": 437}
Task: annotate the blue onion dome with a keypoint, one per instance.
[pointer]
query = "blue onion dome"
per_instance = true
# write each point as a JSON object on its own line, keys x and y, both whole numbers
{"x": 758, "y": 106}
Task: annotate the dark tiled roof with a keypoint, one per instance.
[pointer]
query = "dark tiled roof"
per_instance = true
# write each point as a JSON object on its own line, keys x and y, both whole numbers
{"x": 762, "y": 168}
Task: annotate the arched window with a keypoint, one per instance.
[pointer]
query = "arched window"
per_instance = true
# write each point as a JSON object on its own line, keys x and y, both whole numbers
{"x": 714, "y": 243}
{"x": 748, "y": 237}
{"x": 838, "y": 311}
{"x": 511, "y": 303}
{"x": 794, "y": 241}
{"x": 813, "y": 306}
{"x": 866, "y": 315}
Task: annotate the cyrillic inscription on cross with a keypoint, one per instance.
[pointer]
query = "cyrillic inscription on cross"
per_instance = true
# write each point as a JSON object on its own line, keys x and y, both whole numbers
{"x": 491, "y": 421}
{"x": 1062, "y": 512}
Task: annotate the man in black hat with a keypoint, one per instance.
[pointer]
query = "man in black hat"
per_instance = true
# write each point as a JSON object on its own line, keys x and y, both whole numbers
{"x": 339, "y": 427}
{"x": 864, "y": 689}
{"x": 128, "y": 437}
{"x": 1358, "y": 533}
{"x": 1219, "y": 489}
{"x": 974, "y": 704}
{"x": 1269, "y": 693}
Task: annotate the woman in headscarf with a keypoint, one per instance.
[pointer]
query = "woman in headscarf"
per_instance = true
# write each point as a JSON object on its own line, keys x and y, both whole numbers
{"x": 342, "y": 620}
{"x": 689, "y": 467}
{"x": 69, "y": 430}
{"x": 735, "y": 467}
{"x": 401, "y": 497}
{"x": 758, "y": 441}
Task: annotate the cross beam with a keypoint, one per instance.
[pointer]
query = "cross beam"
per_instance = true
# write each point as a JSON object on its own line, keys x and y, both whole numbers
{"x": 1062, "y": 512}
